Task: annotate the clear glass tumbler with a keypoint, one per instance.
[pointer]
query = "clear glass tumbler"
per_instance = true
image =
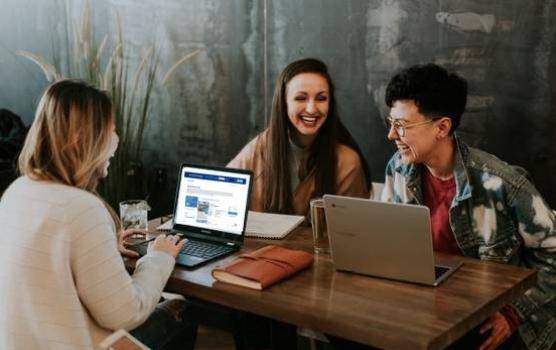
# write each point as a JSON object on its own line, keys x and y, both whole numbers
{"x": 318, "y": 223}
{"x": 134, "y": 214}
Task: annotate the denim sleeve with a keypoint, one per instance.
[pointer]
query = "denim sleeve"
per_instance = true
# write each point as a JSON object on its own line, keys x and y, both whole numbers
{"x": 536, "y": 225}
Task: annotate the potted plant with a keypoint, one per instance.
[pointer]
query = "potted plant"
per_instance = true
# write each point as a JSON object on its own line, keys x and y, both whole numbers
{"x": 130, "y": 92}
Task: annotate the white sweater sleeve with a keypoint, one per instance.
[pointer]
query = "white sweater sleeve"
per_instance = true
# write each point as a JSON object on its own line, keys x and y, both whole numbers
{"x": 113, "y": 298}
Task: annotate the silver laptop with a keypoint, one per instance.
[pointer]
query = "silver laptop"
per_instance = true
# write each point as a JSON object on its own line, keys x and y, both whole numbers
{"x": 386, "y": 240}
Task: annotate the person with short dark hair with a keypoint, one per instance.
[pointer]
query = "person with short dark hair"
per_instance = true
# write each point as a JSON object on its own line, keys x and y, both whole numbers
{"x": 480, "y": 206}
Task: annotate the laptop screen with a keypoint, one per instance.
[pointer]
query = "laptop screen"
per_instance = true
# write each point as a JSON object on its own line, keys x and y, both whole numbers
{"x": 212, "y": 199}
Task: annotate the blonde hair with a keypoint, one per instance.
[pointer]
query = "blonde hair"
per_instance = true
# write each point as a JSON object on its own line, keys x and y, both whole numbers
{"x": 70, "y": 138}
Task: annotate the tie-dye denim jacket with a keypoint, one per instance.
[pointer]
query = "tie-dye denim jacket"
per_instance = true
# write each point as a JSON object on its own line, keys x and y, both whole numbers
{"x": 498, "y": 215}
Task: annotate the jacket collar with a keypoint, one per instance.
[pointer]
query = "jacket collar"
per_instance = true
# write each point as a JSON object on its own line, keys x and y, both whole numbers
{"x": 463, "y": 187}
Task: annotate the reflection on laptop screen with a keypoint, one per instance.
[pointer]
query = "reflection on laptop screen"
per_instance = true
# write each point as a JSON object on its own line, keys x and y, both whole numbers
{"x": 212, "y": 199}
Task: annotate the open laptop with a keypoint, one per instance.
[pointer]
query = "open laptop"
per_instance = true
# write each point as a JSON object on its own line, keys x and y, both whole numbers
{"x": 384, "y": 239}
{"x": 210, "y": 210}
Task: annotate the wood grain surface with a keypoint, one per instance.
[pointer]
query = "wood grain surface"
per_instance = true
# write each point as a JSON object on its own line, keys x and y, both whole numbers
{"x": 374, "y": 311}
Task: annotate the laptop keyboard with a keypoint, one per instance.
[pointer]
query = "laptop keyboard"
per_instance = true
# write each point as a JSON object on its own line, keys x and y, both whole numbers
{"x": 205, "y": 249}
{"x": 195, "y": 248}
{"x": 439, "y": 271}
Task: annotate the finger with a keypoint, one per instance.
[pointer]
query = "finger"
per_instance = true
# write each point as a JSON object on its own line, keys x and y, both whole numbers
{"x": 495, "y": 342}
{"x": 133, "y": 231}
{"x": 486, "y": 345}
{"x": 160, "y": 238}
{"x": 181, "y": 243}
{"x": 503, "y": 334}
{"x": 129, "y": 253}
{"x": 126, "y": 244}
{"x": 499, "y": 335}
{"x": 485, "y": 327}
{"x": 127, "y": 234}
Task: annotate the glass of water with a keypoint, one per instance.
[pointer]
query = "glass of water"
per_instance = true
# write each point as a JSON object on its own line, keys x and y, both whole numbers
{"x": 318, "y": 223}
{"x": 134, "y": 214}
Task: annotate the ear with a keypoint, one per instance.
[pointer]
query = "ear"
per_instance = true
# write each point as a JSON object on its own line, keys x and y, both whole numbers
{"x": 444, "y": 126}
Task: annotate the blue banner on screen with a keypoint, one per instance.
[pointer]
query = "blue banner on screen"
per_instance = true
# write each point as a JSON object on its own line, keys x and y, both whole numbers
{"x": 212, "y": 199}
{"x": 210, "y": 177}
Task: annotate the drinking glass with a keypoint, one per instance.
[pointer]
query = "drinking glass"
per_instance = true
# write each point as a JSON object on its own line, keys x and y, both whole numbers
{"x": 318, "y": 223}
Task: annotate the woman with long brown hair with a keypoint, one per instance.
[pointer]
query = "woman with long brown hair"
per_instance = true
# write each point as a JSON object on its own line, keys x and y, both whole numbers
{"x": 306, "y": 151}
{"x": 64, "y": 283}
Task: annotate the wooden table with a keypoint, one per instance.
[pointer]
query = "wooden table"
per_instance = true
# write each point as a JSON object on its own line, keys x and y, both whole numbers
{"x": 378, "y": 312}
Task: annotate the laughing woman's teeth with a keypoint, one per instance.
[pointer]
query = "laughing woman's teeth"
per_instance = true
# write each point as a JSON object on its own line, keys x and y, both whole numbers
{"x": 309, "y": 120}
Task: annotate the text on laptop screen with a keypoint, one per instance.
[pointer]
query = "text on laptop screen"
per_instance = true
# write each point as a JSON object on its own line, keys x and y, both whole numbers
{"x": 212, "y": 199}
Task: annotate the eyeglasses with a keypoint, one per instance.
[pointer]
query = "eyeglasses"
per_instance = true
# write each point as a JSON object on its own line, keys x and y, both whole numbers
{"x": 400, "y": 127}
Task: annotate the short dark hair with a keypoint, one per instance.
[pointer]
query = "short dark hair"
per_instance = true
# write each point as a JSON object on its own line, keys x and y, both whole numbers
{"x": 435, "y": 91}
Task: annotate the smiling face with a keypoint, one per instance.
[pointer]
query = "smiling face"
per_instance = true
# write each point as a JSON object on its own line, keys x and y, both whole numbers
{"x": 307, "y": 99}
{"x": 419, "y": 144}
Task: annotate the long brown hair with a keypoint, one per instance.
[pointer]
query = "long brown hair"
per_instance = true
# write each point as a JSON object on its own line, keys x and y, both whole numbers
{"x": 70, "y": 138}
{"x": 278, "y": 194}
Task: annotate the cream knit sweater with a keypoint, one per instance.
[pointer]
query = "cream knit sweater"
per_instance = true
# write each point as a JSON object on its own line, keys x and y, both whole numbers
{"x": 63, "y": 284}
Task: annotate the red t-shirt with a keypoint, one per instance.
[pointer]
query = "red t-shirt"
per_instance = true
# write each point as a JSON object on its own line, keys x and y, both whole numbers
{"x": 438, "y": 195}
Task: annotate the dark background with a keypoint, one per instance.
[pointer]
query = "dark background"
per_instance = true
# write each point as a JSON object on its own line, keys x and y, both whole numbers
{"x": 506, "y": 49}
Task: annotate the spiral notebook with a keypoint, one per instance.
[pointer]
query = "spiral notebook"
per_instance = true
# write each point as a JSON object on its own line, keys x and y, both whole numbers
{"x": 261, "y": 225}
{"x": 271, "y": 226}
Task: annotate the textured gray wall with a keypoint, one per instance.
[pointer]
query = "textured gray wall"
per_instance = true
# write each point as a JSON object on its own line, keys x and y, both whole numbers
{"x": 25, "y": 25}
{"x": 218, "y": 101}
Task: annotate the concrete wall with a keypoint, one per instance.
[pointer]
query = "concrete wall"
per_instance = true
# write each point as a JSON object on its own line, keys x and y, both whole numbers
{"x": 218, "y": 101}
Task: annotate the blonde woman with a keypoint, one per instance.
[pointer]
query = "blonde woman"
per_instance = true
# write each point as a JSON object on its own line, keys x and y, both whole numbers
{"x": 64, "y": 283}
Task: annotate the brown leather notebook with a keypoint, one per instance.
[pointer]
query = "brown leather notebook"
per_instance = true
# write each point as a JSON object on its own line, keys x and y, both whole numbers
{"x": 263, "y": 267}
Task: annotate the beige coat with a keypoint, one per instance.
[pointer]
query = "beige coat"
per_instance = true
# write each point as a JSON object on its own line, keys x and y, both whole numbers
{"x": 349, "y": 172}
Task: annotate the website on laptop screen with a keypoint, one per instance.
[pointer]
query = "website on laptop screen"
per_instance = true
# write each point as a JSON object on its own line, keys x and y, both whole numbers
{"x": 212, "y": 199}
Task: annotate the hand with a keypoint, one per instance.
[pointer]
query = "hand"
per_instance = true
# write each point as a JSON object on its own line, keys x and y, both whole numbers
{"x": 122, "y": 244}
{"x": 168, "y": 244}
{"x": 500, "y": 331}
